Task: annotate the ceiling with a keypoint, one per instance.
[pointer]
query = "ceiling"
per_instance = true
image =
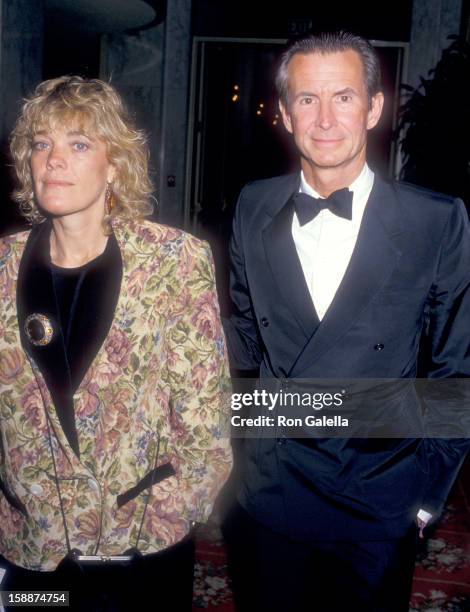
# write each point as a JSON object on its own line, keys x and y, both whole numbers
{"x": 103, "y": 15}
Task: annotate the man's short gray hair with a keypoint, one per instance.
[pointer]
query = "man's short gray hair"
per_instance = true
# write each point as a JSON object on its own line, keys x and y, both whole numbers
{"x": 331, "y": 42}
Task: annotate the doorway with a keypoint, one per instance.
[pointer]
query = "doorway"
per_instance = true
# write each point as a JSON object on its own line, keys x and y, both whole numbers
{"x": 236, "y": 133}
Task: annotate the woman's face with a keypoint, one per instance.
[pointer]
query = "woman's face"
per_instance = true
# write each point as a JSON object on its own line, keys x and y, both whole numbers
{"x": 69, "y": 171}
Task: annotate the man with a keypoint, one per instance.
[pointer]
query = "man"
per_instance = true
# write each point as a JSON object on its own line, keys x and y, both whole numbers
{"x": 349, "y": 286}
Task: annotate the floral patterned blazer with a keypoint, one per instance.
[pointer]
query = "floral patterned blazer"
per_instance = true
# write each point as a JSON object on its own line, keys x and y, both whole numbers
{"x": 147, "y": 412}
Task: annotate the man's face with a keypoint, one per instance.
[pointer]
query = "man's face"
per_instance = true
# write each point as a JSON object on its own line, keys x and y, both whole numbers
{"x": 328, "y": 111}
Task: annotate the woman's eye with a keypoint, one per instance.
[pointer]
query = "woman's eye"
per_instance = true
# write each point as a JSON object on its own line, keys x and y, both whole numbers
{"x": 39, "y": 145}
{"x": 80, "y": 146}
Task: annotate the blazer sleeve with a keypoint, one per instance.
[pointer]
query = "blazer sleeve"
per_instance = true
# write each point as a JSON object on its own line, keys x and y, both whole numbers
{"x": 241, "y": 329}
{"x": 447, "y": 402}
{"x": 198, "y": 375}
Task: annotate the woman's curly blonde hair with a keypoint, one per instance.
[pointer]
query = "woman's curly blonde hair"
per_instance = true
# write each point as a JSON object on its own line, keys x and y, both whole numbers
{"x": 96, "y": 108}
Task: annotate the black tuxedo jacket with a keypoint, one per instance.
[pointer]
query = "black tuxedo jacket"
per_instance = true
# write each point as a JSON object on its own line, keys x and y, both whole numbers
{"x": 406, "y": 287}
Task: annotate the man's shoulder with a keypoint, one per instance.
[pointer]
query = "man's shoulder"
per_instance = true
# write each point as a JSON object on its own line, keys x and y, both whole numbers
{"x": 416, "y": 195}
{"x": 419, "y": 208}
{"x": 272, "y": 183}
{"x": 268, "y": 194}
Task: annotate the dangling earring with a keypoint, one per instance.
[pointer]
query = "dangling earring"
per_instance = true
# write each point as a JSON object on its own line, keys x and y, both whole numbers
{"x": 109, "y": 199}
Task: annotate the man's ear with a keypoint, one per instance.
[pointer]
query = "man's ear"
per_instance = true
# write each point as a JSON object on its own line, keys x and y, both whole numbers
{"x": 375, "y": 110}
{"x": 285, "y": 117}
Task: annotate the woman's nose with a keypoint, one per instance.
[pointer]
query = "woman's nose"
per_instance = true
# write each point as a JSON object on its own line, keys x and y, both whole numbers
{"x": 55, "y": 159}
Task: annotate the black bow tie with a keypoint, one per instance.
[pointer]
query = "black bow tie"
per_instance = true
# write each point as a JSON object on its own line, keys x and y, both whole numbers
{"x": 339, "y": 202}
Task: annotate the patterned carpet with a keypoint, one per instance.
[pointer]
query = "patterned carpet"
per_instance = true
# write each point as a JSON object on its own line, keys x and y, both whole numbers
{"x": 442, "y": 575}
{"x": 211, "y": 584}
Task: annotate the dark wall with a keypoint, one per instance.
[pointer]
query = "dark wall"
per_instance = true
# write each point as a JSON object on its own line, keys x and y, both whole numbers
{"x": 267, "y": 19}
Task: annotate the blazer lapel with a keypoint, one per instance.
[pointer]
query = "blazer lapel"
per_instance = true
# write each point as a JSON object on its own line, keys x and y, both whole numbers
{"x": 95, "y": 311}
{"x": 286, "y": 269}
{"x": 93, "y": 321}
{"x": 374, "y": 258}
{"x": 35, "y": 295}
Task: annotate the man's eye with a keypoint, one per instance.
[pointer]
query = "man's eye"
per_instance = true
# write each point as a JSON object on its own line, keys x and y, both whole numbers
{"x": 345, "y": 98}
{"x": 39, "y": 145}
{"x": 80, "y": 146}
{"x": 307, "y": 100}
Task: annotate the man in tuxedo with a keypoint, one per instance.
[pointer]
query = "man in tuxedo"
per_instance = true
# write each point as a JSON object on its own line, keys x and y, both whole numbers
{"x": 338, "y": 274}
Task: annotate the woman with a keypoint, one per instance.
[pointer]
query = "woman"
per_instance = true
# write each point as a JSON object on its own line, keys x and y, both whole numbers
{"x": 112, "y": 366}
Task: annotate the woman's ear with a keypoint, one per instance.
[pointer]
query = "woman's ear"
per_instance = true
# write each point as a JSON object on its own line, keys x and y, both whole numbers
{"x": 111, "y": 173}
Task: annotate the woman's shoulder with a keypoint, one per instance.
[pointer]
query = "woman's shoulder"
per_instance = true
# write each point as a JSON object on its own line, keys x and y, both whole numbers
{"x": 164, "y": 236}
{"x": 19, "y": 237}
{"x": 12, "y": 244}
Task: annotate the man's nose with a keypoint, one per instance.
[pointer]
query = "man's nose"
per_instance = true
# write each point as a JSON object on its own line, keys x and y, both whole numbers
{"x": 55, "y": 159}
{"x": 326, "y": 116}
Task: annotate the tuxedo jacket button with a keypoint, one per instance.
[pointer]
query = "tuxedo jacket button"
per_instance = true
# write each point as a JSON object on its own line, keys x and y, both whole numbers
{"x": 264, "y": 322}
{"x": 379, "y": 347}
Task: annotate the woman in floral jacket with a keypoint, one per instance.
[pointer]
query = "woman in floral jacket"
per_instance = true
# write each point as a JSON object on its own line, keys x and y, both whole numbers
{"x": 112, "y": 365}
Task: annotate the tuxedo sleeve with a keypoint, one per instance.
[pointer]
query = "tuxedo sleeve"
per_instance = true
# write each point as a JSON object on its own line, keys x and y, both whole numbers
{"x": 447, "y": 402}
{"x": 241, "y": 329}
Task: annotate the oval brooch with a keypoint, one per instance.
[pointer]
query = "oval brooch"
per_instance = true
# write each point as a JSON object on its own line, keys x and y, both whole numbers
{"x": 39, "y": 329}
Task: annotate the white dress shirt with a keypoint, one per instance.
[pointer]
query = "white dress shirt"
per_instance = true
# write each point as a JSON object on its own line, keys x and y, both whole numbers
{"x": 325, "y": 245}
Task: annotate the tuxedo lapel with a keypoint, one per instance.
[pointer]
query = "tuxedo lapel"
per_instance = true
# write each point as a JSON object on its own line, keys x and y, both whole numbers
{"x": 374, "y": 258}
{"x": 286, "y": 269}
